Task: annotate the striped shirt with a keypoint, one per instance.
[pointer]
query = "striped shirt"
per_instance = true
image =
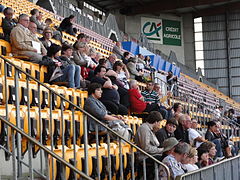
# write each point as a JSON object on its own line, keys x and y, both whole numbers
{"x": 152, "y": 96}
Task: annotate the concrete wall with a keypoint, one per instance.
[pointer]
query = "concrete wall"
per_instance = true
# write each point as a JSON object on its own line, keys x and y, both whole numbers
{"x": 133, "y": 28}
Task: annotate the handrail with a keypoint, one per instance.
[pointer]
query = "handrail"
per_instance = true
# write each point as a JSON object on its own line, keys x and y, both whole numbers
{"x": 44, "y": 148}
{"x": 207, "y": 167}
{"x": 92, "y": 117}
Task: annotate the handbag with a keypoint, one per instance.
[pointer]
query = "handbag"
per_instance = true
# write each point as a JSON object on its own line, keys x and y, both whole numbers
{"x": 56, "y": 74}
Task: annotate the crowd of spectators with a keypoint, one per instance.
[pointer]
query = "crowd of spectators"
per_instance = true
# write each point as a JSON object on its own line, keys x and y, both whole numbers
{"x": 179, "y": 144}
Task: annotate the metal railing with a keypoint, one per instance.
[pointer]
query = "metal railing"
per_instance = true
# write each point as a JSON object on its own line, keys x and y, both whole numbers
{"x": 56, "y": 132}
{"x": 226, "y": 169}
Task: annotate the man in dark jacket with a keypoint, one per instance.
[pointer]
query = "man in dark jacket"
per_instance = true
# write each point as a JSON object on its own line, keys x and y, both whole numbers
{"x": 181, "y": 132}
{"x": 167, "y": 131}
{"x": 8, "y": 23}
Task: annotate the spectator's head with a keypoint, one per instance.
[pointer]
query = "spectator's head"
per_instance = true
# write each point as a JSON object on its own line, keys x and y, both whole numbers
{"x": 35, "y": 12}
{"x": 48, "y": 21}
{"x": 87, "y": 39}
{"x": 102, "y": 62}
{"x": 185, "y": 120}
{"x": 47, "y": 33}
{"x": 194, "y": 124}
{"x": 100, "y": 71}
{"x": 157, "y": 87}
{"x": 192, "y": 156}
{"x": 98, "y": 56}
{"x": 81, "y": 37}
{"x": 54, "y": 50}
{"x": 40, "y": 16}
{"x": 171, "y": 125}
{"x": 95, "y": 90}
{"x": 112, "y": 58}
{"x": 126, "y": 55}
{"x": 140, "y": 56}
{"x": 71, "y": 18}
{"x": 203, "y": 154}
{"x": 81, "y": 46}
{"x": 149, "y": 86}
{"x": 181, "y": 151}
{"x": 118, "y": 44}
{"x": 211, "y": 147}
{"x": 170, "y": 73}
{"x": 169, "y": 145}
{"x": 133, "y": 84}
{"x": 220, "y": 108}
{"x": 8, "y": 12}
{"x": 147, "y": 59}
{"x": 32, "y": 27}
{"x": 24, "y": 20}
{"x": 117, "y": 66}
{"x": 231, "y": 112}
{"x": 67, "y": 50}
{"x": 154, "y": 119}
{"x": 92, "y": 53}
{"x": 212, "y": 126}
{"x": 177, "y": 107}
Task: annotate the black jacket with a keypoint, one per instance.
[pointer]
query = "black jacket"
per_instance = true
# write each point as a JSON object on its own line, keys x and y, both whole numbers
{"x": 162, "y": 134}
{"x": 8, "y": 25}
{"x": 182, "y": 134}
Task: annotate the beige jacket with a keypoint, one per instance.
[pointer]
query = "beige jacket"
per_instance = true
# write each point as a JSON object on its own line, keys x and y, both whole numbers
{"x": 21, "y": 40}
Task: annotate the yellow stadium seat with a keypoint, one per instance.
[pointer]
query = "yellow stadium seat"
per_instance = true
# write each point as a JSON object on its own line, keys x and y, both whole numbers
{"x": 33, "y": 88}
{"x": 43, "y": 73}
{"x": 5, "y": 48}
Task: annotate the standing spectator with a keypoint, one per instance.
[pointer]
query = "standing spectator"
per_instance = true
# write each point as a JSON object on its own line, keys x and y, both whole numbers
{"x": 22, "y": 41}
{"x": 110, "y": 97}
{"x": 46, "y": 39}
{"x": 111, "y": 60}
{"x": 195, "y": 138}
{"x": 126, "y": 56}
{"x": 35, "y": 19}
{"x": 52, "y": 61}
{"x": 172, "y": 83}
{"x": 147, "y": 141}
{"x": 117, "y": 49}
{"x": 8, "y": 23}
{"x": 167, "y": 131}
{"x": 173, "y": 161}
{"x": 181, "y": 132}
{"x": 67, "y": 25}
{"x": 132, "y": 68}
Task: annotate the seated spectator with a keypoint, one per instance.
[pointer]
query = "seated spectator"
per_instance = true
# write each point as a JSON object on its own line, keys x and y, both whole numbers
{"x": 211, "y": 136}
{"x": 168, "y": 145}
{"x": 8, "y": 23}
{"x": 35, "y": 19}
{"x": 96, "y": 108}
{"x": 67, "y": 25}
{"x": 87, "y": 39}
{"x": 178, "y": 109}
{"x": 110, "y": 97}
{"x": 22, "y": 41}
{"x": 147, "y": 141}
{"x": 137, "y": 103}
{"x": 151, "y": 96}
{"x": 140, "y": 62}
{"x": 70, "y": 74}
{"x": 203, "y": 157}
{"x": 117, "y": 50}
{"x": 167, "y": 131}
{"x": 46, "y": 39}
{"x": 111, "y": 60}
{"x": 134, "y": 74}
{"x": 189, "y": 163}
{"x": 56, "y": 34}
{"x": 93, "y": 54}
{"x": 211, "y": 151}
{"x": 48, "y": 22}
{"x": 147, "y": 61}
{"x": 80, "y": 38}
{"x": 122, "y": 74}
{"x": 173, "y": 161}
{"x": 195, "y": 138}
{"x": 126, "y": 56}
{"x": 67, "y": 51}
{"x": 103, "y": 62}
{"x": 184, "y": 124}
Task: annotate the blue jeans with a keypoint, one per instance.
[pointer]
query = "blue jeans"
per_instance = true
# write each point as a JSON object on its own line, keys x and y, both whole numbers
{"x": 71, "y": 74}
{"x": 218, "y": 144}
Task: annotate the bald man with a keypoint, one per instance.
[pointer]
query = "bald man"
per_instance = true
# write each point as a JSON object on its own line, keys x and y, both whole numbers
{"x": 181, "y": 132}
{"x": 22, "y": 41}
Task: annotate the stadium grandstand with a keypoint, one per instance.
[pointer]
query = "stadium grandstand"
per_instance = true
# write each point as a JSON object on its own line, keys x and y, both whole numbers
{"x": 122, "y": 90}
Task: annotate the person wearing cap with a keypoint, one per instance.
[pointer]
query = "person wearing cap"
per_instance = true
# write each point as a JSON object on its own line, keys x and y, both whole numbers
{"x": 167, "y": 131}
{"x": 195, "y": 137}
{"x": 181, "y": 132}
{"x": 147, "y": 141}
{"x": 173, "y": 161}
{"x": 168, "y": 146}
{"x": 189, "y": 164}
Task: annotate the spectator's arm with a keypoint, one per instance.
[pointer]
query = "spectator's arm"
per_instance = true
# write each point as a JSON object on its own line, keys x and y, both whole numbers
{"x": 108, "y": 83}
{"x": 126, "y": 71}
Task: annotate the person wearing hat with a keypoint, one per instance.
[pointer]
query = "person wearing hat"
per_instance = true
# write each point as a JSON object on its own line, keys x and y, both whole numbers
{"x": 167, "y": 131}
{"x": 173, "y": 161}
{"x": 189, "y": 164}
{"x": 168, "y": 146}
{"x": 203, "y": 157}
{"x": 147, "y": 141}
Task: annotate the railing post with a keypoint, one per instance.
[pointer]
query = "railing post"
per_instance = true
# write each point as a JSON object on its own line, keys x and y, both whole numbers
{"x": 85, "y": 143}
